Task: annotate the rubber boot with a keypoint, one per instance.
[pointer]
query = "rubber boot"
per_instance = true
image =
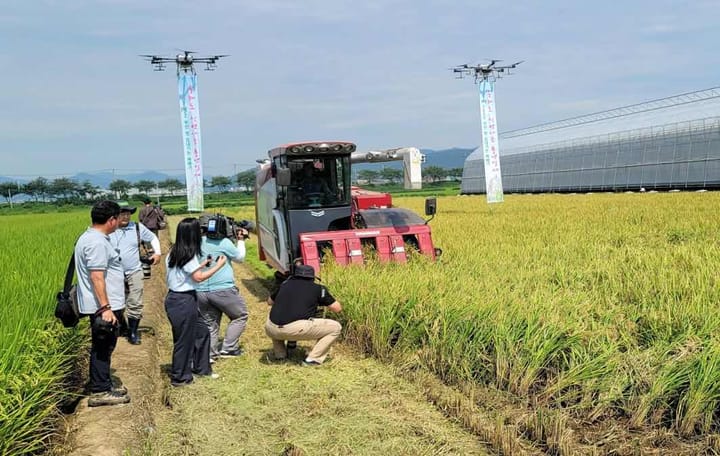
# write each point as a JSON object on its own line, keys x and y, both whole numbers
{"x": 133, "y": 333}
{"x": 123, "y": 327}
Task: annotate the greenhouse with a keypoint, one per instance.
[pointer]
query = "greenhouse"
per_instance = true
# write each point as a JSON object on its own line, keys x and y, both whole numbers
{"x": 594, "y": 152}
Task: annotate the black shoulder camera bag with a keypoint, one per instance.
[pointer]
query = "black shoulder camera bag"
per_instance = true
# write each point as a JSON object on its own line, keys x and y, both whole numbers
{"x": 66, "y": 308}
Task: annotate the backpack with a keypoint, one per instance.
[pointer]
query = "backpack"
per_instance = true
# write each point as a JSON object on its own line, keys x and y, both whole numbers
{"x": 162, "y": 223}
{"x": 66, "y": 308}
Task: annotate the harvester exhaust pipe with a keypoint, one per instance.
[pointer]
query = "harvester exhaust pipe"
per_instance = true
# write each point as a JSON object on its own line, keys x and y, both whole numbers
{"x": 411, "y": 156}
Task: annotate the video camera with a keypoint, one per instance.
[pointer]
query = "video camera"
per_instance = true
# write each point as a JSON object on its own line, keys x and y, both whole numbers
{"x": 219, "y": 226}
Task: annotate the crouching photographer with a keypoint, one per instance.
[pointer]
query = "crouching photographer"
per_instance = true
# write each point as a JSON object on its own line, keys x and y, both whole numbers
{"x": 219, "y": 295}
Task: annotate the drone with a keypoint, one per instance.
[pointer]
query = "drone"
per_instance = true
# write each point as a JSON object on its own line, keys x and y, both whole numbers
{"x": 185, "y": 61}
{"x": 484, "y": 72}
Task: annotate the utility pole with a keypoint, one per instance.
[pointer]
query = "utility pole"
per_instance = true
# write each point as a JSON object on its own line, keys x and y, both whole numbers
{"x": 485, "y": 76}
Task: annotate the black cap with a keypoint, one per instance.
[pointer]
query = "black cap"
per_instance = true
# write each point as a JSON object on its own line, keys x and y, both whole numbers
{"x": 146, "y": 200}
{"x": 305, "y": 271}
{"x": 126, "y": 207}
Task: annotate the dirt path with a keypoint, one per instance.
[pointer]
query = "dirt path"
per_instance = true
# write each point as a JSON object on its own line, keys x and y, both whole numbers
{"x": 101, "y": 431}
{"x": 354, "y": 405}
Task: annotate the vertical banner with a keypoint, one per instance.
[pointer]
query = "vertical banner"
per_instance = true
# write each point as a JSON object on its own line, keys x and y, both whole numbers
{"x": 491, "y": 149}
{"x": 190, "y": 119}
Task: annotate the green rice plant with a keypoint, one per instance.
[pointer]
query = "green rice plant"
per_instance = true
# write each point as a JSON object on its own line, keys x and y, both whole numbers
{"x": 37, "y": 353}
{"x": 583, "y": 302}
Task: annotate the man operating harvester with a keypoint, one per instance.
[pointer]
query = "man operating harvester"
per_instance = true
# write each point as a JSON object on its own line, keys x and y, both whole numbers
{"x": 292, "y": 316}
{"x": 126, "y": 241}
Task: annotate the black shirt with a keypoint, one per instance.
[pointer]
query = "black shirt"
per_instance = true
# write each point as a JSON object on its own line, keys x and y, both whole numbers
{"x": 298, "y": 299}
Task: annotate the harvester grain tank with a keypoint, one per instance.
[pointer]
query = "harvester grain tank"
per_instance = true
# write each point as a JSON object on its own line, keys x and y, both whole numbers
{"x": 305, "y": 204}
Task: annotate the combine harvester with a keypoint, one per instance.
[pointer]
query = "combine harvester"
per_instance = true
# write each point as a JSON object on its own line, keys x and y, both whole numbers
{"x": 305, "y": 204}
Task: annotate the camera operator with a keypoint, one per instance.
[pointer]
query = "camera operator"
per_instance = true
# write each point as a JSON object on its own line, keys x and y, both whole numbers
{"x": 126, "y": 240}
{"x": 219, "y": 295}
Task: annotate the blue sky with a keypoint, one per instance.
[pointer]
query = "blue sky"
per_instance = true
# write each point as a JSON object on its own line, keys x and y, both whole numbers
{"x": 77, "y": 97}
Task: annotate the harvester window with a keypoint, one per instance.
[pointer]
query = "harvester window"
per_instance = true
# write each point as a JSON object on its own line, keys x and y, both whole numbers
{"x": 316, "y": 182}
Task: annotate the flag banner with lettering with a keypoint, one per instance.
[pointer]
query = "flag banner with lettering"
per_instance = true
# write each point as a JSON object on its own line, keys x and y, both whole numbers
{"x": 190, "y": 118}
{"x": 491, "y": 149}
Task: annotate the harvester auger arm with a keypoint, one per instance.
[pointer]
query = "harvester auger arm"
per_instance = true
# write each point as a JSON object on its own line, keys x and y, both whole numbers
{"x": 411, "y": 157}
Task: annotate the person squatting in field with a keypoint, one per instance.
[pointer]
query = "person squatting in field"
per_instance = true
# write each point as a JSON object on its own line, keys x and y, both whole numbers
{"x": 191, "y": 337}
{"x": 293, "y": 307}
{"x": 219, "y": 295}
{"x": 101, "y": 296}
{"x": 127, "y": 238}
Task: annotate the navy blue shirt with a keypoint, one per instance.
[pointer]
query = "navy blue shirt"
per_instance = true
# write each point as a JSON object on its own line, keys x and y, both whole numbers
{"x": 298, "y": 299}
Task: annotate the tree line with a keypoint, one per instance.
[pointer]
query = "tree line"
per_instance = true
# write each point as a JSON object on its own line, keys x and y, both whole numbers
{"x": 430, "y": 173}
{"x": 42, "y": 189}
{"x": 66, "y": 189}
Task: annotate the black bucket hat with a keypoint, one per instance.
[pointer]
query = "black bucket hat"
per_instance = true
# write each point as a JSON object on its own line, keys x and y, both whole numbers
{"x": 305, "y": 271}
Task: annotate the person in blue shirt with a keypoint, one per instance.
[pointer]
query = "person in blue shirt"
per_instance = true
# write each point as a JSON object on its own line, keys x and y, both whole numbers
{"x": 126, "y": 239}
{"x": 185, "y": 269}
{"x": 219, "y": 295}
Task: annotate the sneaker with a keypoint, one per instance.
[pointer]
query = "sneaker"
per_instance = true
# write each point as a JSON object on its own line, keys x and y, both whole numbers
{"x": 212, "y": 360}
{"x": 213, "y": 376}
{"x": 120, "y": 389}
{"x": 291, "y": 344}
{"x": 231, "y": 353}
{"x": 107, "y": 398}
{"x": 311, "y": 363}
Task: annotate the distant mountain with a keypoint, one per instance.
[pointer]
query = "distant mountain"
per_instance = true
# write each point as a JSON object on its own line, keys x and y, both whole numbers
{"x": 445, "y": 158}
{"x": 103, "y": 179}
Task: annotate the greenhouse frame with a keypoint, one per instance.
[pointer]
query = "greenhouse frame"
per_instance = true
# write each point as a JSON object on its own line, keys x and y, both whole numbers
{"x": 679, "y": 155}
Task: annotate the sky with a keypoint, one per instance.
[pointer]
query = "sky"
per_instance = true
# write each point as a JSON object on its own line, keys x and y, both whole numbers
{"x": 78, "y": 98}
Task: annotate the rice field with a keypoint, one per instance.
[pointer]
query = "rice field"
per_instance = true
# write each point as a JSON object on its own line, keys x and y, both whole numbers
{"x": 36, "y": 353}
{"x": 604, "y": 306}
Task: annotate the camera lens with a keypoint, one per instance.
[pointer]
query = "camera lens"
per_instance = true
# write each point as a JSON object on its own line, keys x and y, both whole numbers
{"x": 146, "y": 270}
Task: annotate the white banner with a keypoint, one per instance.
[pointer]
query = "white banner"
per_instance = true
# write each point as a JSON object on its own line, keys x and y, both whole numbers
{"x": 491, "y": 148}
{"x": 190, "y": 119}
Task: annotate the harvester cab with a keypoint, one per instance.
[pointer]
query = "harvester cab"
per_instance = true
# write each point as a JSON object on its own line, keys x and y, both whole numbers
{"x": 305, "y": 204}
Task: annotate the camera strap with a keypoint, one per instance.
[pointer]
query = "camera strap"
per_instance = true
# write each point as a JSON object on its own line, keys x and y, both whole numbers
{"x": 69, "y": 274}
{"x": 141, "y": 246}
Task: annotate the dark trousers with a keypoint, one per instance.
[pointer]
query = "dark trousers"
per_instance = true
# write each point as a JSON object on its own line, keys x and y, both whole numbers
{"x": 101, "y": 349}
{"x": 191, "y": 338}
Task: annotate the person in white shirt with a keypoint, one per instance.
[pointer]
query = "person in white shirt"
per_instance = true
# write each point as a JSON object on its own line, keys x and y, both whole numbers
{"x": 185, "y": 269}
{"x": 127, "y": 238}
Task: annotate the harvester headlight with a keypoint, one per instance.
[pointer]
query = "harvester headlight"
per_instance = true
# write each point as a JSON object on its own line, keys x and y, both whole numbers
{"x": 337, "y": 147}
{"x": 350, "y": 147}
{"x": 309, "y": 149}
{"x": 296, "y": 149}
